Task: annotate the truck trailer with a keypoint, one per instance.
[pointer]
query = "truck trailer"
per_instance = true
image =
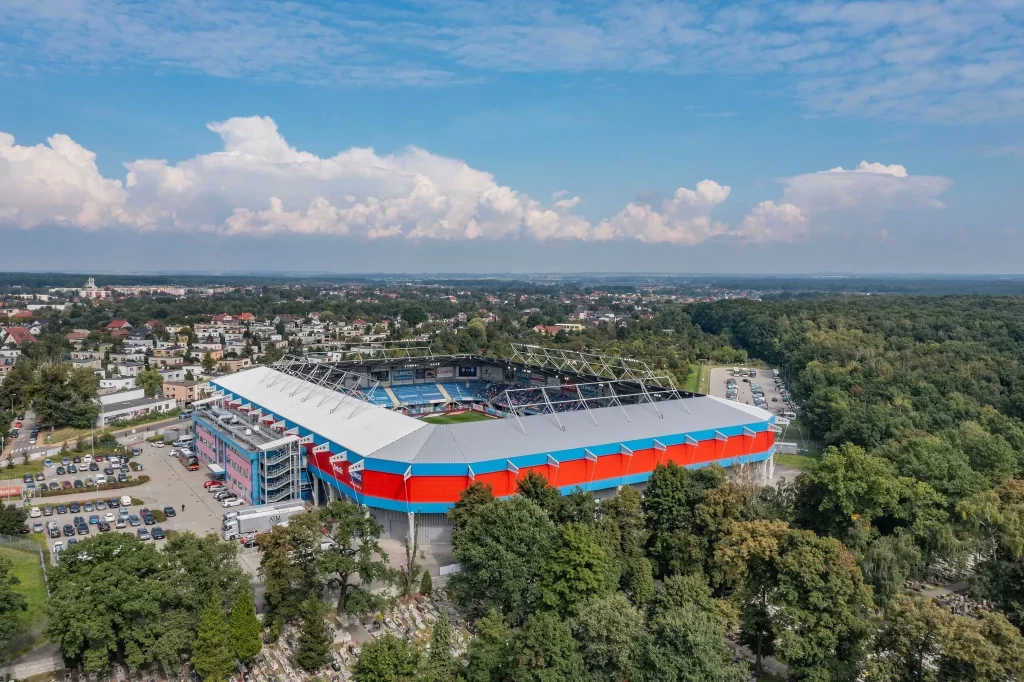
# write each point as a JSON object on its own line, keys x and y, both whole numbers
{"x": 248, "y": 522}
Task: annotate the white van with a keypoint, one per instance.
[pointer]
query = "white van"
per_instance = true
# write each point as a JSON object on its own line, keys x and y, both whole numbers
{"x": 126, "y": 501}
{"x": 788, "y": 414}
{"x": 184, "y": 441}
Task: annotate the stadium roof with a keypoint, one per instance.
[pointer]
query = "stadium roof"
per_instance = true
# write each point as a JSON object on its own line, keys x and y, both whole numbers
{"x": 377, "y": 432}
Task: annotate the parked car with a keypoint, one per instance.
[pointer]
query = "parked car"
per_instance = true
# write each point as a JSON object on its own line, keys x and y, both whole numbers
{"x": 72, "y": 469}
{"x": 211, "y": 483}
{"x": 88, "y": 506}
{"x": 103, "y": 526}
{"x": 109, "y": 516}
{"x": 69, "y": 530}
{"x": 149, "y": 519}
{"x": 54, "y": 485}
{"x": 83, "y": 529}
{"x": 231, "y": 502}
{"x": 99, "y": 458}
{"x": 76, "y": 459}
{"x": 37, "y": 528}
{"x": 94, "y": 519}
{"x": 35, "y": 512}
{"x": 54, "y": 533}
{"x": 158, "y": 533}
{"x": 62, "y": 509}
{"x": 109, "y": 471}
{"x": 122, "y": 477}
{"x": 94, "y": 467}
{"x": 66, "y": 484}
{"x": 74, "y": 507}
{"x": 169, "y": 511}
{"x": 134, "y": 520}
{"x": 48, "y": 510}
{"x": 113, "y": 503}
{"x": 61, "y": 471}
{"x": 87, "y": 459}
{"x": 142, "y": 534}
{"x": 120, "y": 523}
{"x": 65, "y": 461}
{"x": 40, "y": 476}
{"x": 78, "y": 483}
{"x": 47, "y": 463}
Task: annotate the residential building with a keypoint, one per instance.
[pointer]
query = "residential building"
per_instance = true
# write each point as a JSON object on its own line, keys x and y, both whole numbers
{"x": 131, "y": 404}
{"x": 232, "y": 365}
{"x": 183, "y": 392}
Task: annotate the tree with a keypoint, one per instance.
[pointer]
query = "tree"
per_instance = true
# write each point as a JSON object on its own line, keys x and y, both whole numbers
{"x": 288, "y": 565}
{"x": 439, "y": 659}
{"x": 414, "y": 316}
{"x": 574, "y": 570}
{"x": 314, "y": 650}
{"x": 487, "y": 650}
{"x": 607, "y": 630}
{"x": 536, "y": 488}
{"x": 189, "y": 376}
{"x": 426, "y": 584}
{"x": 670, "y": 499}
{"x": 800, "y": 593}
{"x": 244, "y": 628}
{"x": 209, "y": 364}
{"x": 910, "y": 638}
{"x": 197, "y": 567}
{"x": 844, "y": 485}
{"x": 543, "y": 650}
{"x": 685, "y": 645}
{"x": 11, "y": 602}
{"x": 63, "y": 396}
{"x": 12, "y": 518}
{"x": 387, "y": 659}
{"x": 356, "y": 550}
{"x": 151, "y": 381}
{"x": 212, "y": 654}
{"x": 500, "y": 550}
{"x": 91, "y": 625}
{"x": 470, "y": 501}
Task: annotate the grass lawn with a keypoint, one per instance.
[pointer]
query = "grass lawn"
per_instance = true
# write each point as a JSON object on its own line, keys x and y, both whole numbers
{"x": 30, "y": 622}
{"x": 18, "y": 470}
{"x": 61, "y": 435}
{"x": 456, "y": 418}
{"x": 801, "y": 462}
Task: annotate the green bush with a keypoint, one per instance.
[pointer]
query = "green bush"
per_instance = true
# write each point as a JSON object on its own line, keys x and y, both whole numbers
{"x": 116, "y": 485}
{"x": 159, "y": 515}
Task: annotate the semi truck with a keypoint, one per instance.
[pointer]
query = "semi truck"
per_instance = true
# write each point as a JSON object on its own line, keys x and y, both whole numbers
{"x": 248, "y": 522}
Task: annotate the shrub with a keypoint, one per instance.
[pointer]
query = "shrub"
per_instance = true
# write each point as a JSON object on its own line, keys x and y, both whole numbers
{"x": 159, "y": 515}
{"x": 116, "y": 485}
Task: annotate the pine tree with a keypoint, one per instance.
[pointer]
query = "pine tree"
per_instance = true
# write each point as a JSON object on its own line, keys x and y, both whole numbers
{"x": 244, "y": 628}
{"x": 426, "y": 584}
{"x": 441, "y": 642}
{"x": 211, "y": 651}
{"x": 314, "y": 641}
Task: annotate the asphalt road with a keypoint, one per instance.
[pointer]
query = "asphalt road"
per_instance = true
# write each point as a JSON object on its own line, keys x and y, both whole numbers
{"x": 21, "y": 445}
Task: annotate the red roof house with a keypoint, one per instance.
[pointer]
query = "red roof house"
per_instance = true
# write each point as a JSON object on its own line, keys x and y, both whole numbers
{"x": 118, "y": 324}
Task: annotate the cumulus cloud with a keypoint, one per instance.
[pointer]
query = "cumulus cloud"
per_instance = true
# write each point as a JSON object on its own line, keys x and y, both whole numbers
{"x": 869, "y": 189}
{"x": 258, "y": 184}
{"x": 56, "y": 183}
{"x": 685, "y": 218}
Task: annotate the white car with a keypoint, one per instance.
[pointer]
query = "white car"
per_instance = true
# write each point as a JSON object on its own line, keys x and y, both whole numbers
{"x": 87, "y": 460}
{"x": 232, "y": 502}
{"x": 158, "y": 445}
{"x": 58, "y": 547}
{"x": 115, "y": 463}
{"x": 109, "y": 516}
{"x": 35, "y": 512}
{"x": 101, "y": 480}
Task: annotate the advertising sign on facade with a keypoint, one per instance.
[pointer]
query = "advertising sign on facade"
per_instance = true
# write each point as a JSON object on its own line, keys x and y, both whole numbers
{"x": 421, "y": 374}
{"x": 402, "y": 375}
{"x": 445, "y": 372}
{"x": 522, "y": 379}
{"x": 10, "y": 491}
{"x": 380, "y": 375}
{"x": 467, "y": 371}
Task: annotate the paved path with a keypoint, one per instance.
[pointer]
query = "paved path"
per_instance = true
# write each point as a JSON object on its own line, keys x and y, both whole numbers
{"x": 770, "y": 664}
{"x": 42, "y": 659}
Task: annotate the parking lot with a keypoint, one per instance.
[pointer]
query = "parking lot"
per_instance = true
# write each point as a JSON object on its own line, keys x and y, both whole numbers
{"x": 774, "y": 400}
{"x": 170, "y": 484}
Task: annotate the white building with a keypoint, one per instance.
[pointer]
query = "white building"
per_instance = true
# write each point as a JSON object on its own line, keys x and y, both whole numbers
{"x": 131, "y": 404}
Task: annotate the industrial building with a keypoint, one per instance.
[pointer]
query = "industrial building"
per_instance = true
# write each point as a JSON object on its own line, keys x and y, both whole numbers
{"x": 317, "y": 429}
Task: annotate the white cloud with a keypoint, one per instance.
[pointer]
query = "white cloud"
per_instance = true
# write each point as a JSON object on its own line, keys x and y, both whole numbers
{"x": 869, "y": 190}
{"x": 57, "y": 184}
{"x": 911, "y": 59}
{"x": 685, "y": 218}
{"x": 258, "y": 184}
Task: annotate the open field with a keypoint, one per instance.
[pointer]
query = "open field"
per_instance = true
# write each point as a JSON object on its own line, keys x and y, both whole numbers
{"x": 32, "y": 586}
{"x": 460, "y": 418}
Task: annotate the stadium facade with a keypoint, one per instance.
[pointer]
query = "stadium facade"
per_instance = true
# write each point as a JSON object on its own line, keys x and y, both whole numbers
{"x": 321, "y": 429}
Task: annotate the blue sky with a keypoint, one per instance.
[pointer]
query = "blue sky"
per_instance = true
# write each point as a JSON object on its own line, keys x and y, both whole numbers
{"x": 464, "y": 136}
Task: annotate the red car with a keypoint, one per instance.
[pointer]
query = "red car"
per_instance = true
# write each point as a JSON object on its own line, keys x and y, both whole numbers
{"x": 210, "y": 484}
{"x": 17, "y": 425}
{"x": 99, "y": 458}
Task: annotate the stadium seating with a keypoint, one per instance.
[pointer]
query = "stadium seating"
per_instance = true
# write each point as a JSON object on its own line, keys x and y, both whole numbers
{"x": 418, "y": 394}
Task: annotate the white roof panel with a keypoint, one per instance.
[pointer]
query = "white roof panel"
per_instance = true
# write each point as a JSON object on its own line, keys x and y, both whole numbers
{"x": 355, "y": 425}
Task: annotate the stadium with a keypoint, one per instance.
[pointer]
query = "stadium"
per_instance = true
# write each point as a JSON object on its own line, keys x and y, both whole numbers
{"x": 405, "y": 432}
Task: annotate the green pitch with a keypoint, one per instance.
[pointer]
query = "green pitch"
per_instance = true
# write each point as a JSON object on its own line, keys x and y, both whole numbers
{"x": 456, "y": 418}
